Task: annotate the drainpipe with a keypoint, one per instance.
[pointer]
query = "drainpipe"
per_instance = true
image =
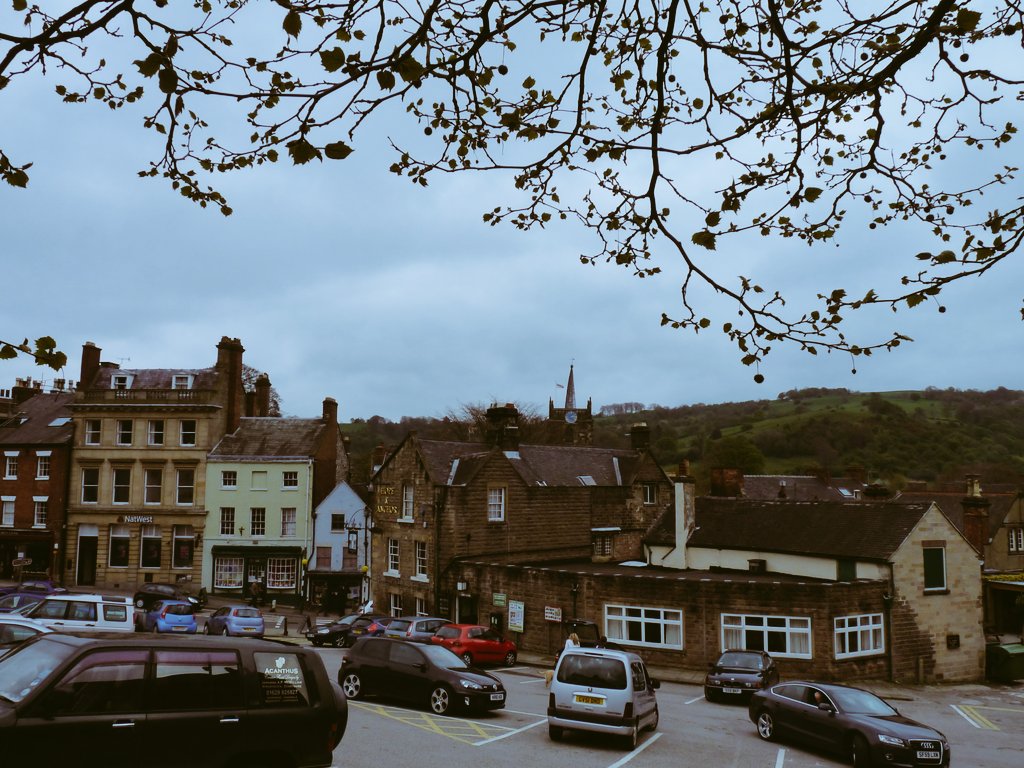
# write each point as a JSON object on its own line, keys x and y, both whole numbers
{"x": 307, "y": 536}
{"x": 438, "y": 507}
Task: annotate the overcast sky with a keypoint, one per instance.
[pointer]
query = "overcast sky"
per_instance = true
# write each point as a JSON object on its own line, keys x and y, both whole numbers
{"x": 342, "y": 280}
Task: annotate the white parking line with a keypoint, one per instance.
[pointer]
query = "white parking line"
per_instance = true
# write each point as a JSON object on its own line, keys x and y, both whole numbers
{"x": 636, "y": 751}
{"x": 535, "y": 680}
{"x": 695, "y": 698}
{"x": 780, "y": 758}
{"x": 964, "y": 715}
{"x": 510, "y": 733}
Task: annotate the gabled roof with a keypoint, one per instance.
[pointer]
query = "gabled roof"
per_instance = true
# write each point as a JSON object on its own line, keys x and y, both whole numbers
{"x": 155, "y": 378}
{"x": 795, "y": 487}
{"x": 271, "y": 437}
{"x": 43, "y": 419}
{"x": 951, "y": 504}
{"x": 861, "y": 530}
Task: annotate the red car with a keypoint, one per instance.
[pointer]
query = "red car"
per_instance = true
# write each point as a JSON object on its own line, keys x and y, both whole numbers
{"x": 476, "y": 644}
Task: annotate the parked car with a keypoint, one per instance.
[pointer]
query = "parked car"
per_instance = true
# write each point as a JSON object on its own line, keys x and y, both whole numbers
{"x": 68, "y": 611}
{"x": 476, "y": 644}
{"x": 375, "y": 628}
{"x": 416, "y": 628}
{"x": 15, "y": 630}
{"x": 738, "y": 674}
{"x": 850, "y": 721}
{"x": 337, "y": 634}
{"x": 165, "y": 701}
{"x": 38, "y": 586}
{"x": 601, "y": 690}
{"x": 235, "y": 620}
{"x": 420, "y": 674}
{"x": 168, "y": 616}
{"x": 147, "y": 594}
{"x": 17, "y": 601}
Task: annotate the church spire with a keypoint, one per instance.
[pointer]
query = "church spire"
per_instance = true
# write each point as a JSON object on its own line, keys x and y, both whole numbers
{"x": 570, "y": 393}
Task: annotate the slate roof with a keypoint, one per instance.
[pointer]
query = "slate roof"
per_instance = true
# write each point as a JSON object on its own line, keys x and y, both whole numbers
{"x": 270, "y": 437}
{"x": 30, "y": 422}
{"x": 155, "y": 378}
{"x": 538, "y": 465}
{"x": 797, "y": 488}
{"x": 862, "y": 530}
{"x": 951, "y": 506}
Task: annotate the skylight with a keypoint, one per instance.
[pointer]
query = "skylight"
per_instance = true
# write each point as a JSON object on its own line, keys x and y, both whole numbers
{"x": 60, "y": 421}
{"x": 586, "y": 480}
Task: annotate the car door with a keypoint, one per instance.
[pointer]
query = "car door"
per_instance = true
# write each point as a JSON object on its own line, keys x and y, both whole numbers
{"x": 644, "y": 701}
{"x": 492, "y": 646}
{"x": 199, "y": 693}
{"x": 821, "y": 725}
{"x": 408, "y": 673}
{"x": 94, "y": 708}
{"x": 788, "y": 704}
{"x": 372, "y": 666}
{"x": 475, "y": 643}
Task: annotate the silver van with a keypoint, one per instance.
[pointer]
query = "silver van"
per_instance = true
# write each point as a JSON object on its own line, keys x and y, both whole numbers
{"x": 602, "y": 691}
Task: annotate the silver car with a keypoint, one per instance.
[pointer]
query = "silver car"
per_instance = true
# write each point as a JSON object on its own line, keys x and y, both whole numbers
{"x": 417, "y": 628}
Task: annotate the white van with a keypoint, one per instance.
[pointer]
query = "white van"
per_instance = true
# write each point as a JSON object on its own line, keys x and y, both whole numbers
{"x": 90, "y": 613}
{"x": 602, "y": 691}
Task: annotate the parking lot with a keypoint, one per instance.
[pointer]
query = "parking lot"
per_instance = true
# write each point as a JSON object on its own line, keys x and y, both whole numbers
{"x": 985, "y": 726}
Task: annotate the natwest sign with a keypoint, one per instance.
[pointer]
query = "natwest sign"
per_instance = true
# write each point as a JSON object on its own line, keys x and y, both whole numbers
{"x": 135, "y": 519}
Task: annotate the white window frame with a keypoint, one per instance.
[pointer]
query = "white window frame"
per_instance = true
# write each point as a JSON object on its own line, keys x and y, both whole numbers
{"x": 394, "y": 557}
{"x": 282, "y": 572}
{"x": 624, "y": 622}
{"x": 227, "y": 521}
{"x": 228, "y": 479}
{"x": 181, "y": 381}
{"x": 96, "y": 486}
{"x": 1016, "y": 539}
{"x": 42, "y": 465}
{"x": 147, "y": 476}
{"x": 187, "y": 437}
{"x": 289, "y": 481}
{"x": 227, "y": 572}
{"x": 11, "y": 466}
{"x": 155, "y": 432}
{"x": 496, "y": 504}
{"x": 260, "y": 514}
{"x": 791, "y": 627}
{"x": 120, "y": 433}
{"x": 865, "y": 633}
{"x": 184, "y": 486}
{"x": 7, "y": 511}
{"x": 650, "y": 492}
{"x": 289, "y": 522}
{"x": 408, "y": 502}
{"x": 93, "y": 428}
{"x": 396, "y": 603}
{"x": 120, "y": 381}
{"x": 421, "y": 606}
{"x": 421, "y": 562}
{"x": 945, "y": 572}
{"x": 115, "y": 485}
{"x": 39, "y": 511}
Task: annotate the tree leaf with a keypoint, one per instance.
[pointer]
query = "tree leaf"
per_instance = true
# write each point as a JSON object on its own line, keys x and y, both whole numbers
{"x": 302, "y": 151}
{"x": 409, "y": 69}
{"x": 967, "y": 21}
{"x": 386, "y": 80}
{"x": 811, "y": 194}
{"x": 704, "y": 239}
{"x": 339, "y": 150}
{"x": 292, "y": 23}
{"x": 20, "y": 5}
{"x": 332, "y": 60}
{"x": 713, "y": 218}
{"x": 150, "y": 65}
{"x": 7, "y": 352}
{"x": 168, "y": 80}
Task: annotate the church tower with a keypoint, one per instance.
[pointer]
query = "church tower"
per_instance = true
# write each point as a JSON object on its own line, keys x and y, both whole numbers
{"x": 571, "y": 425}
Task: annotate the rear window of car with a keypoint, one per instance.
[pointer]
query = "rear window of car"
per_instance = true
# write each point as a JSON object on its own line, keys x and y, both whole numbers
{"x": 592, "y": 671}
{"x": 248, "y": 613}
{"x": 398, "y": 625}
{"x": 282, "y": 681}
{"x": 447, "y": 632}
{"x": 180, "y": 609}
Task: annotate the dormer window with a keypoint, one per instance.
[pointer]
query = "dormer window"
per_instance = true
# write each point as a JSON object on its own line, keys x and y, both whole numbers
{"x": 181, "y": 381}
{"x": 120, "y": 381}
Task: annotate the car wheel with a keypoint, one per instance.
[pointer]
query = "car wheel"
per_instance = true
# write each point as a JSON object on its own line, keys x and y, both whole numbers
{"x": 468, "y": 658}
{"x": 510, "y": 659}
{"x": 860, "y": 753}
{"x": 555, "y": 733}
{"x": 710, "y": 694}
{"x": 633, "y": 738}
{"x": 657, "y": 719}
{"x": 766, "y": 725}
{"x": 336, "y": 641}
{"x": 140, "y": 604}
{"x": 352, "y": 685}
{"x": 224, "y": 630}
{"x": 440, "y": 700}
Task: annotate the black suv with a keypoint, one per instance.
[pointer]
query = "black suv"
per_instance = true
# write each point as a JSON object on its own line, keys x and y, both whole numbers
{"x": 147, "y": 594}
{"x": 118, "y": 700}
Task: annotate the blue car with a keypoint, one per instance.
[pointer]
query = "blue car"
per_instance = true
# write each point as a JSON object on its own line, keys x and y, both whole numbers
{"x": 176, "y": 616}
{"x": 18, "y": 602}
{"x": 235, "y": 620}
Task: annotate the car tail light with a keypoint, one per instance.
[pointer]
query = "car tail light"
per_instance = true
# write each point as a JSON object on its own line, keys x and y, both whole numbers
{"x": 163, "y": 614}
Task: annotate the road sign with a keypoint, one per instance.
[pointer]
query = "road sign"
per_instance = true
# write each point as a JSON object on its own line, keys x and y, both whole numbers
{"x": 19, "y": 561}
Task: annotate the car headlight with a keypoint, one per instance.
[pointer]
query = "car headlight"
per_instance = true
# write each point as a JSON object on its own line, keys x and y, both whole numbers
{"x": 322, "y": 631}
{"x": 471, "y": 685}
{"x": 894, "y": 741}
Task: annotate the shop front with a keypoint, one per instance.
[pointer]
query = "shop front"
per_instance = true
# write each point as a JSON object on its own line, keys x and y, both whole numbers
{"x": 264, "y": 573}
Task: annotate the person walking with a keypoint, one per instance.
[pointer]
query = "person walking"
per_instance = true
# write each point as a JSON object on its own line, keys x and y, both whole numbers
{"x": 572, "y": 641}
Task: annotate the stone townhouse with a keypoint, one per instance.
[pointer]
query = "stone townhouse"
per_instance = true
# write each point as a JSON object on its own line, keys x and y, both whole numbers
{"x": 35, "y": 441}
{"x": 136, "y": 508}
{"x": 263, "y": 482}
{"x": 438, "y": 503}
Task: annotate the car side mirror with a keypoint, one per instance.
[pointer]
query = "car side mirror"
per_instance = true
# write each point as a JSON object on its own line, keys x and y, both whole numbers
{"x": 655, "y": 683}
{"x": 824, "y": 706}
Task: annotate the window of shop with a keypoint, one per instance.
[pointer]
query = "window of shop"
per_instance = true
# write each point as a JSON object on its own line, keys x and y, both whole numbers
{"x": 150, "y": 557}
{"x": 92, "y": 431}
{"x": 7, "y": 516}
{"x": 258, "y": 521}
{"x": 227, "y": 572}
{"x": 281, "y": 572}
{"x": 155, "y": 432}
{"x": 154, "y": 482}
{"x": 227, "y": 521}
{"x": 184, "y": 543}
{"x": 11, "y": 467}
{"x": 90, "y": 485}
{"x": 421, "y": 560}
{"x": 782, "y": 636}
{"x": 120, "y": 537}
{"x": 408, "y": 501}
{"x": 934, "y": 569}
{"x": 124, "y": 432}
{"x": 290, "y": 480}
{"x": 859, "y": 635}
{"x": 42, "y": 466}
{"x": 651, "y": 627}
{"x": 187, "y": 432}
{"x": 393, "y": 557}
{"x": 186, "y": 486}
{"x": 39, "y": 506}
{"x": 288, "y": 521}
{"x": 495, "y": 505}
{"x": 122, "y": 485}
{"x": 229, "y": 479}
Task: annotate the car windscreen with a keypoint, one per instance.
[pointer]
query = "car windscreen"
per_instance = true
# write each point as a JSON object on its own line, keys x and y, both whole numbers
{"x": 22, "y": 670}
{"x": 442, "y": 657}
{"x": 857, "y": 702}
{"x": 592, "y": 671}
{"x": 740, "y": 660}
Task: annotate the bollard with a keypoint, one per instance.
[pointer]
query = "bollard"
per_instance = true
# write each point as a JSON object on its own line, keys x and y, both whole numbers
{"x": 273, "y": 605}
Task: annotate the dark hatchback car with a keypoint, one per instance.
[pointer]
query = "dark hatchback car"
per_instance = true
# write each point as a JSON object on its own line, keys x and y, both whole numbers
{"x": 850, "y": 721}
{"x": 147, "y": 594}
{"x": 119, "y": 700}
{"x": 343, "y": 632}
{"x": 737, "y": 674}
{"x": 419, "y": 674}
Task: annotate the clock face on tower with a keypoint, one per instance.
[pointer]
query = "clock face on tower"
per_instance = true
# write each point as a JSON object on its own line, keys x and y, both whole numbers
{"x": 570, "y": 417}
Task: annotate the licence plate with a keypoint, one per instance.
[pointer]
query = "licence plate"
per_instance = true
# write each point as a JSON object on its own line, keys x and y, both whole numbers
{"x": 579, "y": 698}
{"x": 497, "y": 697}
{"x": 732, "y": 690}
{"x": 178, "y": 629}
{"x": 928, "y": 755}
{"x": 249, "y": 629}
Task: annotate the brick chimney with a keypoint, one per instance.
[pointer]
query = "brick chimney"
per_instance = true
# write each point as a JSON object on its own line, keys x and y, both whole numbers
{"x": 976, "y": 509}
{"x": 640, "y": 436}
{"x": 90, "y": 364}
{"x": 330, "y": 410}
{"x": 726, "y": 481}
{"x": 229, "y": 365}
{"x": 503, "y": 426}
{"x": 250, "y": 403}
{"x": 263, "y": 395}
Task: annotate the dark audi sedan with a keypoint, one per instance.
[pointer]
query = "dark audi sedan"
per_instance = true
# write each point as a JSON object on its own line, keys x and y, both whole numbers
{"x": 419, "y": 674}
{"x": 850, "y": 721}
